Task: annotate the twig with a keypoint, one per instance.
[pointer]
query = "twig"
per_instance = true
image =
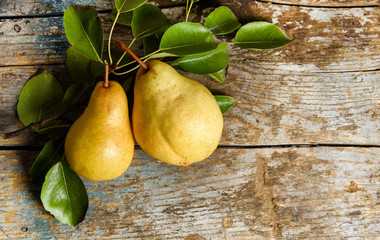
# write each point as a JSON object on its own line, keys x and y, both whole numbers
{"x": 123, "y": 46}
{"x": 33, "y": 125}
{"x": 110, "y": 36}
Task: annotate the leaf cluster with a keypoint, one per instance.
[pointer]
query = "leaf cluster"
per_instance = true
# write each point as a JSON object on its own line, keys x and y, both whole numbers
{"x": 188, "y": 46}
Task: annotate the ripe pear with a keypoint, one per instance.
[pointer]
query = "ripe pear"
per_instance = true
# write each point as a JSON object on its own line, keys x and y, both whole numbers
{"x": 175, "y": 119}
{"x": 99, "y": 145}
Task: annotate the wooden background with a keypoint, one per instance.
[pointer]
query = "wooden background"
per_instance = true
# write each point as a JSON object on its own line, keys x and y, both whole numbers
{"x": 300, "y": 152}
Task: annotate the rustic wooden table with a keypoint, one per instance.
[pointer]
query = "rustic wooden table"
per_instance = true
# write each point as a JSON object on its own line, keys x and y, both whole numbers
{"x": 300, "y": 153}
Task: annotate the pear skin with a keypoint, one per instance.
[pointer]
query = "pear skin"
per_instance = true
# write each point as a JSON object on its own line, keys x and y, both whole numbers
{"x": 99, "y": 145}
{"x": 175, "y": 119}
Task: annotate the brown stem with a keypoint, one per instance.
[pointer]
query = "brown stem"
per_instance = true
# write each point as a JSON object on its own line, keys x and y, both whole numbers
{"x": 32, "y": 126}
{"x": 42, "y": 122}
{"x": 129, "y": 51}
{"x": 106, "y": 83}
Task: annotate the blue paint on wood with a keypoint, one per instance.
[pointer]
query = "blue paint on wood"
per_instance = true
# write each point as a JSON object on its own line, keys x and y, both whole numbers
{"x": 46, "y": 7}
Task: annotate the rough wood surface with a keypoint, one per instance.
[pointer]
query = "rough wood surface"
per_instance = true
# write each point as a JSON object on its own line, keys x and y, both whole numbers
{"x": 289, "y": 193}
{"x": 326, "y": 3}
{"x": 323, "y": 88}
{"x": 274, "y": 107}
{"x": 10, "y": 8}
{"x": 324, "y": 39}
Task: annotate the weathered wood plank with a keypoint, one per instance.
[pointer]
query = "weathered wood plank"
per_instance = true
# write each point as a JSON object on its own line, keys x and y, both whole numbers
{"x": 297, "y": 193}
{"x": 274, "y": 106}
{"x": 323, "y": 193}
{"x": 326, "y": 3}
{"x": 9, "y": 8}
{"x": 323, "y": 87}
{"x": 324, "y": 39}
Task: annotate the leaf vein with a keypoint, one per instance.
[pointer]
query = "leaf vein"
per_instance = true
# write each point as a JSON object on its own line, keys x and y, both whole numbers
{"x": 42, "y": 99}
{"x": 221, "y": 25}
{"x": 67, "y": 189}
{"x": 88, "y": 38}
{"x": 182, "y": 46}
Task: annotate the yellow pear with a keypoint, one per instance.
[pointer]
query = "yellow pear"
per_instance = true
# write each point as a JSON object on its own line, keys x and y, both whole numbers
{"x": 175, "y": 119}
{"x": 99, "y": 145}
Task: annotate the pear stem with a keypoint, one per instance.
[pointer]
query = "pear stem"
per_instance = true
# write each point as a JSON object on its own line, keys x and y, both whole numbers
{"x": 129, "y": 51}
{"x": 107, "y": 70}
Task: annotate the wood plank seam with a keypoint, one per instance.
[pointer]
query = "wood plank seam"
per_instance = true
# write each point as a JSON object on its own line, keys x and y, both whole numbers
{"x": 231, "y": 146}
{"x": 49, "y": 15}
{"x": 183, "y": 4}
{"x": 317, "y": 6}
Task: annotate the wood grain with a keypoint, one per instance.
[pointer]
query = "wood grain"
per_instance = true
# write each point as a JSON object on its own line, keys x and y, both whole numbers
{"x": 289, "y": 193}
{"x": 273, "y": 108}
{"x": 9, "y": 8}
{"x": 326, "y": 3}
{"x": 321, "y": 88}
{"x": 324, "y": 39}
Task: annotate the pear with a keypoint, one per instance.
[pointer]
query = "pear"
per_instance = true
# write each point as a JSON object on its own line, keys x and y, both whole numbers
{"x": 175, "y": 119}
{"x": 99, "y": 145}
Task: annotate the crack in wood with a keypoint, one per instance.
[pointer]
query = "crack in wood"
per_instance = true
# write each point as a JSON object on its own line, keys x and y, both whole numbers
{"x": 317, "y": 6}
{"x": 266, "y": 194}
{"x": 60, "y": 14}
{"x": 38, "y": 148}
{"x": 350, "y": 71}
{"x": 47, "y": 15}
{"x": 1, "y": 230}
{"x": 306, "y": 145}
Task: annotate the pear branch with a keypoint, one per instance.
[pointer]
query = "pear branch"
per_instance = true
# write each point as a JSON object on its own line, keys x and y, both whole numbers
{"x": 129, "y": 51}
{"x": 106, "y": 83}
{"x": 121, "y": 58}
{"x": 33, "y": 125}
{"x": 109, "y": 39}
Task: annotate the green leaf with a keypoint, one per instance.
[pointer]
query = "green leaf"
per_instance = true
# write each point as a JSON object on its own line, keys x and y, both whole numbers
{"x": 205, "y": 63}
{"x": 123, "y": 6}
{"x": 64, "y": 194}
{"x": 260, "y": 35}
{"x": 224, "y": 102}
{"x": 222, "y": 21}
{"x": 84, "y": 31}
{"x": 123, "y": 19}
{"x": 187, "y": 38}
{"x": 77, "y": 64}
{"x": 151, "y": 44}
{"x": 81, "y": 68}
{"x": 74, "y": 92}
{"x": 40, "y": 97}
{"x": 218, "y": 76}
{"x": 52, "y": 153}
{"x": 148, "y": 20}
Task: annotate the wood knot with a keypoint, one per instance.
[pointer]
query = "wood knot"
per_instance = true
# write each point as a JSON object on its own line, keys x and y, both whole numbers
{"x": 352, "y": 187}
